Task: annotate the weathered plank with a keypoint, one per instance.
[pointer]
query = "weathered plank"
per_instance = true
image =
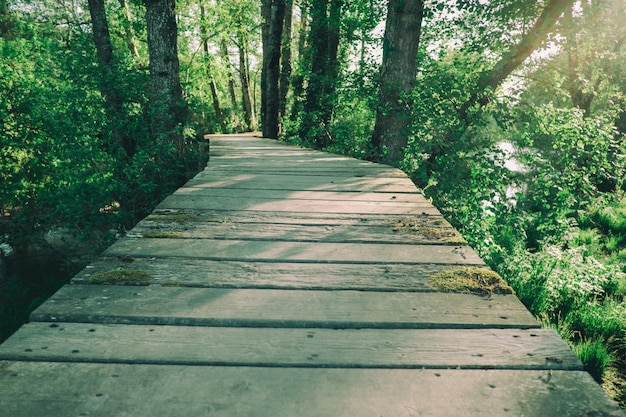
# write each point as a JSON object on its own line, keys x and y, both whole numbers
{"x": 299, "y": 218}
{"x": 346, "y": 196}
{"x": 272, "y": 275}
{"x": 424, "y": 232}
{"x": 250, "y": 250}
{"x": 289, "y": 347}
{"x": 207, "y": 202}
{"x": 279, "y": 308}
{"x": 300, "y": 183}
{"x": 102, "y": 390}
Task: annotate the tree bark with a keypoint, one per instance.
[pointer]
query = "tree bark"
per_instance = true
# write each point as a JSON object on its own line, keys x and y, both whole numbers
{"x": 274, "y": 10}
{"x": 285, "y": 71}
{"x": 397, "y": 78}
{"x": 244, "y": 74}
{"x": 167, "y": 106}
{"x": 108, "y": 84}
{"x": 320, "y": 92}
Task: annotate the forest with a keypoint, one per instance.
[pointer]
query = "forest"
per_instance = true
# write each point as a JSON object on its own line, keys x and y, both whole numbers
{"x": 510, "y": 115}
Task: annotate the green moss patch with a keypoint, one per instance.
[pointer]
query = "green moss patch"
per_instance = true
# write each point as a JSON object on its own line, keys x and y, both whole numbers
{"x": 471, "y": 280}
{"x": 163, "y": 235}
{"x": 121, "y": 277}
{"x": 439, "y": 230}
{"x": 172, "y": 218}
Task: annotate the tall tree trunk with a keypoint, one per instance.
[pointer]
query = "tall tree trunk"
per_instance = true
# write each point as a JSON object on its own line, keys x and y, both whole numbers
{"x": 324, "y": 44}
{"x": 397, "y": 77}
{"x": 129, "y": 34}
{"x": 297, "y": 81}
{"x": 244, "y": 73}
{"x": 108, "y": 84}
{"x": 6, "y": 25}
{"x": 229, "y": 72}
{"x": 275, "y": 11}
{"x": 167, "y": 106}
{"x": 285, "y": 71}
{"x": 209, "y": 73}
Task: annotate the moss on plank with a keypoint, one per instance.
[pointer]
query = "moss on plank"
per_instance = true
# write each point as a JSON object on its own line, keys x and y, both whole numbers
{"x": 121, "y": 277}
{"x": 172, "y": 218}
{"x": 162, "y": 235}
{"x": 472, "y": 280}
{"x": 439, "y": 230}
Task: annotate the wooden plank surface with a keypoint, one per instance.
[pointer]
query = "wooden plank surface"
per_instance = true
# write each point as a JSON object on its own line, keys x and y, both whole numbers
{"x": 102, "y": 390}
{"x": 196, "y": 272}
{"x": 250, "y": 250}
{"x": 289, "y": 347}
{"x": 278, "y": 308}
{"x": 426, "y": 232}
{"x": 203, "y": 201}
{"x": 284, "y": 181}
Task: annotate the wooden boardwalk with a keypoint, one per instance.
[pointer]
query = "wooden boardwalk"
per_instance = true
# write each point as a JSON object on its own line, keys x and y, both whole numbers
{"x": 286, "y": 282}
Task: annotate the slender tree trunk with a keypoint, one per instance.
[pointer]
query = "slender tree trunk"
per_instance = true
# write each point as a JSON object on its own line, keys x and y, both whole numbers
{"x": 320, "y": 92}
{"x": 297, "y": 81}
{"x": 207, "y": 65}
{"x": 397, "y": 77}
{"x": 244, "y": 73}
{"x": 285, "y": 71}
{"x": 129, "y": 34}
{"x": 167, "y": 106}
{"x": 275, "y": 11}
{"x": 108, "y": 84}
{"x": 515, "y": 56}
{"x": 6, "y": 25}
{"x": 229, "y": 73}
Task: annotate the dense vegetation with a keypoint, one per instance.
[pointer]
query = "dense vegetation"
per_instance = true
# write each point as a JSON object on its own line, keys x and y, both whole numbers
{"x": 511, "y": 116}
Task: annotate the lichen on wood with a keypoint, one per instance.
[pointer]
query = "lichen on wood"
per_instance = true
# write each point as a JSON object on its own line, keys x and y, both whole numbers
{"x": 474, "y": 280}
{"x": 121, "y": 277}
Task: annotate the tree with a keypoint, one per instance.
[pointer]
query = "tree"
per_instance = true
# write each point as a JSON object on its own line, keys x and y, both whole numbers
{"x": 229, "y": 72}
{"x": 244, "y": 76}
{"x": 167, "y": 106}
{"x": 516, "y": 55}
{"x": 397, "y": 77}
{"x": 273, "y": 12}
{"x": 207, "y": 64}
{"x": 6, "y": 23}
{"x": 285, "y": 70}
{"x": 108, "y": 84}
{"x": 324, "y": 36}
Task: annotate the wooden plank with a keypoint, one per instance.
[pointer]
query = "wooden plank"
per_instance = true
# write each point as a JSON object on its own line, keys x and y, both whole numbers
{"x": 348, "y": 348}
{"x": 250, "y": 250}
{"x": 428, "y": 232}
{"x": 280, "y": 308}
{"x": 271, "y": 275}
{"x": 348, "y": 196}
{"x": 301, "y": 183}
{"x": 296, "y": 218}
{"x": 45, "y": 389}
{"x": 207, "y": 202}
